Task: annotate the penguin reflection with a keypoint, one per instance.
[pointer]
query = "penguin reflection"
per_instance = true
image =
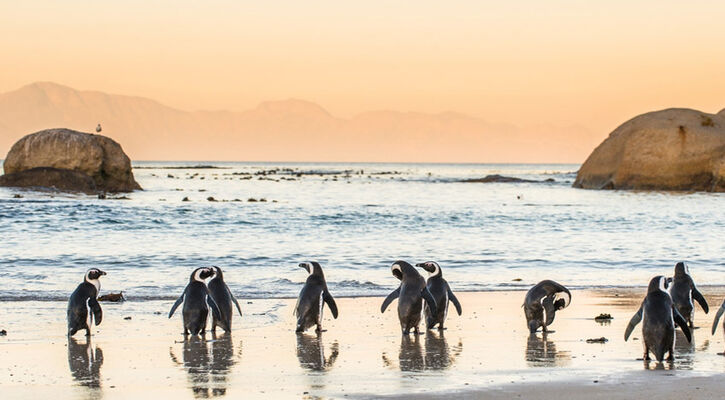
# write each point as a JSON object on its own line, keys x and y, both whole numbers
{"x": 438, "y": 355}
{"x": 411, "y": 354}
{"x": 685, "y": 351}
{"x": 311, "y": 353}
{"x": 207, "y": 375}
{"x": 222, "y": 361}
{"x": 541, "y": 352}
{"x": 85, "y": 362}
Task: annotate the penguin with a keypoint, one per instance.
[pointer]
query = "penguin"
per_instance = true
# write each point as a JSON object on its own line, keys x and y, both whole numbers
{"x": 85, "y": 361}
{"x": 442, "y": 293}
{"x": 83, "y": 307}
{"x": 312, "y": 298}
{"x": 660, "y": 316}
{"x": 683, "y": 290}
{"x": 223, "y": 297}
{"x": 541, "y": 304}
{"x": 410, "y": 294}
{"x": 719, "y": 313}
{"x": 197, "y": 303}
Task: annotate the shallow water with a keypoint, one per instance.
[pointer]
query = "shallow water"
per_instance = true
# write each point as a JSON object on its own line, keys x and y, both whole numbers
{"x": 356, "y": 219}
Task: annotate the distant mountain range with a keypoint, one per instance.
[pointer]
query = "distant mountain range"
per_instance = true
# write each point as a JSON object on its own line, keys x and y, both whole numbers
{"x": 287, "y": 130}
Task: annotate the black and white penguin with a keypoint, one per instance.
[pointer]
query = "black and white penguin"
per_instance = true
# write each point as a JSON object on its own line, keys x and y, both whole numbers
{"x": 197, "y": 303}
{"x": 410, "y": 294}
{"x": 223, "y": 297}
{"x": 660, "y": 315}
{"x": 719, "y": 313}
{"x": 442, "y": 294}
{"x": 312, "y": 298}
{"x": 542, "y": 303}
{"x": 83, "y": 307}
{"x": 683, "y": 290}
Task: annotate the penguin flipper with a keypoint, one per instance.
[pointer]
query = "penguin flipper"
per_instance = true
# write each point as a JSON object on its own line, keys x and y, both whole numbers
{"x": 453, "y": 299}
{"x": 96, "y": 309}
{"x": 392, "y": 296}
{"x": 330, "y": 303}
{"x": 214, "y": 308}
{"x": 430, "y": 300}
{"x": 636, "y": 318}
{"x": 234, "y": 299}
{"x": 177, "y": 304}
{"x": 720, "y": 311}
{"x": 682, "y": 323}
{"x": 700, "y": 299}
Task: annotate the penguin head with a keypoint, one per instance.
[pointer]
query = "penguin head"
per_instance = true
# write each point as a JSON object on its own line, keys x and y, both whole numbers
{"x": 431, "y": 267}
{"x": 200, "y": 274}
{"x": 534, "y": 325}
{"x": 93, "y": 274}
{"x": 560, "y": 304}
{"x": 659, "y": 283}
{"x": 401, "y": 268}
{"x": 681, "y": 269}
{"x": 312, "y": 267}
{"x": 217, "y": 272}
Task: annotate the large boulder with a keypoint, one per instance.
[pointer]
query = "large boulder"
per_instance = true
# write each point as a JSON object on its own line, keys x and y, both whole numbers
{"x": 673, "y": 149}
{"x": 95, "y": 156}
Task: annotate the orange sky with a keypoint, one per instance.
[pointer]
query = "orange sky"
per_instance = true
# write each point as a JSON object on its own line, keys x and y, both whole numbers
{"x": 558, "y": 63}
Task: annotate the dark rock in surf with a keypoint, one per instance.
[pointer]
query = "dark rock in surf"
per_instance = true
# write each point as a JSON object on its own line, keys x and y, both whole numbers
{"x": 113, "y": 297}
{"x": 497, "y": 179}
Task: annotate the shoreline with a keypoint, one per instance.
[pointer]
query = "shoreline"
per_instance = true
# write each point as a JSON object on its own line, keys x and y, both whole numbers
{"x": 485, "y": 352}
{"x": 629, "y": 290}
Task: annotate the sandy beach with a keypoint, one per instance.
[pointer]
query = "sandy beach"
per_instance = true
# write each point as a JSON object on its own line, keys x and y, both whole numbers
{"x": 485, "y": 353}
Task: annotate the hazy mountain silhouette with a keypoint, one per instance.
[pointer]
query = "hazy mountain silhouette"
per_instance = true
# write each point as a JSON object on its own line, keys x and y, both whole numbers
{"x": 294, "y": 130}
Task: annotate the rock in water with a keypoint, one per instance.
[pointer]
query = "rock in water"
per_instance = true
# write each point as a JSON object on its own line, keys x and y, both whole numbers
{"x": 95, "y": 156}
{"x": 673, "y": 149}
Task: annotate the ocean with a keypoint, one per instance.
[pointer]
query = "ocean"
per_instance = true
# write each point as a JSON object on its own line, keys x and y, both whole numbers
{"x": 356, "y": 220}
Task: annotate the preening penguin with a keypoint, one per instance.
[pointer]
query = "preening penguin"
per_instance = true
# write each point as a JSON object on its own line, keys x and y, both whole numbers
{"x": 197, "y": 303}
{"x": 442, "y": 294}
{"x": 541, "y": 304}
{"x": 660, "y": 315}
{"x": 683, "y": 290}
{"x": 83, "y": 307}
{"x": 223, "y": 297}
{"x": 312, "y": 298}
{"x": 410, "y": 295}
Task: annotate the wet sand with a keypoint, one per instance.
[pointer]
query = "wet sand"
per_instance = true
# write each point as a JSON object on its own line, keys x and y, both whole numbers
{"x": 486, "y": 353}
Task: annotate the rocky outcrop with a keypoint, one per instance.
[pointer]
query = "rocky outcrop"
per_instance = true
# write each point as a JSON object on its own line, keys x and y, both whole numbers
{"x": 673, "y": 149}
{"x": 43, "y": 154}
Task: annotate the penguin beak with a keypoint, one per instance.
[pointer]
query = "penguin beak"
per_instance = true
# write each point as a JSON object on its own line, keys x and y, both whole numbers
{"x": 102, "y": 272}
{"x": 426, "y": 266}
{"x": 305, "y": 266}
